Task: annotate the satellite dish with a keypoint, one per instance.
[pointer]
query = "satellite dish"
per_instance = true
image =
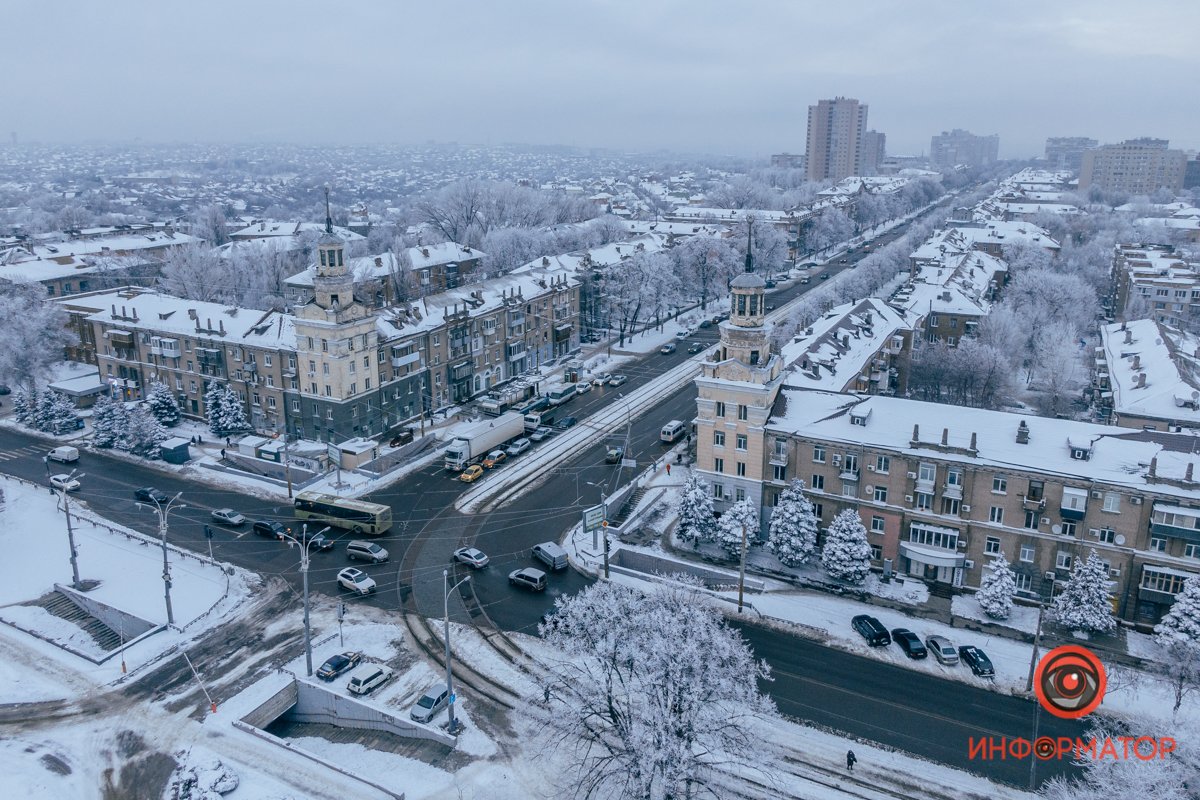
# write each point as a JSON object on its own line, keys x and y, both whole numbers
{"x": 1195, "y": 395}
{"x": 1056, "y": 528}
{"x": 1120, "y": 538}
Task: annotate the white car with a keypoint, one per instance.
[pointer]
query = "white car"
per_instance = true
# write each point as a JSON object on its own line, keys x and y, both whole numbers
{"x": 227, "y": 516}
{"x": 519, "y": 446}
{"x": 355, "y": 580}
{"x": 470, "y": 555}
{"x": 64, "y": 481}
{"x": 583, "y": 387}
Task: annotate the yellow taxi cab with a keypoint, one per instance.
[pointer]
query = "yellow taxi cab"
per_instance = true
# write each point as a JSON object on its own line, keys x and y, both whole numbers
{"x": 471, "y": 474}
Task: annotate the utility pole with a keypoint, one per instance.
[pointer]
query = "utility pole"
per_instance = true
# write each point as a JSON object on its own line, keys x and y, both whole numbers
{"x": 164, "y": 510}
{"x": 449, "y": 673}
{"x": 742, "y": 570}
{"x": 1037, "y": 641}
{"x": 304, "y": 542}
{"x": 70, "y": 531}
{"x": 287, "y": 461}
{"x": 605, "y": 526}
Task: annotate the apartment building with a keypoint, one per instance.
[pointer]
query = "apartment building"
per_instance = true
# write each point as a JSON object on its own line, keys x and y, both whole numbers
{"x": 1066, "y": 152}
{"x": 992, "y": 237}
{"x": 836, "y": 132}
{"x": 952, "y": 293}
{"x": 1146, "y": 376}
{"x": 1135, "y": 166}
{"x": 940, "y": 498}
{"x": 950, "y": 149}
{"x": 1155, "y": 280}
{"x": 385, "y": 279}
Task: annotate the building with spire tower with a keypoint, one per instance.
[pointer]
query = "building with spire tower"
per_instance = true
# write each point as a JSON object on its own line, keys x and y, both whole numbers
{"x": 736, "y": 389}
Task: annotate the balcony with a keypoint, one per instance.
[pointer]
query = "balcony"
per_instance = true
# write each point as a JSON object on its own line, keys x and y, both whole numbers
{"x": 848, "y": 474}
{"x": 1033, "y": 504}
{"x": 1175, "y": 532}
{"x": 779, "y": 458}
{"x": 952, "y": 491}
{"x": 403, "y": 361}
{"x": 1072, "y": 514}
{"x": 924, "y": 486}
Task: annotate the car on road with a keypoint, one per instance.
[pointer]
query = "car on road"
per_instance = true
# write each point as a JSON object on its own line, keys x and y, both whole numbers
{"x": 667, "y": 348}
{"x": 266, "y": 528}
{"x": 528, "y": 578}
{"x": 430, "y": 704}
{"x": 583, "y": 387}
{"x": 336, "y": 665}
{"x": 617, "y": 380}
{"x": 494, "y": 459}
{"x": 977, "y": 660}
{"x": 65, "y": 482}
{"x": 824, "y": 276}
{"x": 355, "y": 580}
{"x": 806, "y": 279}
{"x": 65, "y": 454}
{"x": 872, "y": 630}
{"x": 542, "y": 432}
{"x": 942, "y": 649}
{"x": 769, "y": 306}
{"x": 769, "y": 284}
{"x": 909, "y": 642}
{"x": 695, "y": 347}
{"x": 613, "y": 455}
{"x": 471, "y": 474}
{"x": 148, "y": 494}
{"x": 517, "y": 447}
{"x": 567, "y": 422}
{"x": 402, "y": 438}
{"x": 227, "y": 516}
{"x": 362, "y": 550}
{"x": 706, "y": 323}
{"x": 319, "y": 542}
{"x": 472, "y": 556}
{"x": 683, "y": 334}
{"x": 844, "y": 261}
{"x": 602, "y": 378}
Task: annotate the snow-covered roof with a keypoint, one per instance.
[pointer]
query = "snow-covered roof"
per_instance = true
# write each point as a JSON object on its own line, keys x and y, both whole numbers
{"x": 1118, "y": 456}
{"x": 961, "y": 238}
{"x": 267, "y": 228}
{"x": 729, "y": 215}
{"x": 1170, "y": 361}
{"x": 164, "y": 314}
{"x": 958, "y": 283}
{"x": 842, "y": 343}
{"x": 367, "y": 268}
{"x": 638, "y": 227}
{"x": 50, "y": 260}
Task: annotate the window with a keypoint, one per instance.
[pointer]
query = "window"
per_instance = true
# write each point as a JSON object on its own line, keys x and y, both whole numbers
{"x": 933, "y": 320}
{"x": 819, "y": 454}
{"x": 324, "y": 345}
{"x": 720, "y": 410}
{"x": 850, "y": 463}
{"x": 268, "y": 360}
{"x": 1106, "y": 535}
{"x": 328, "y": 391}
{"x": 1037, "y": 490}
{"x": 1158, "y": 544}
{"x": 719, "y": 491}
{"x": 877, "y": 524}
{"x": 1167, "y": 582}
{"x": 818, "y": 482}
{"x": 924, "y": 502}
{"x": 999, "y": 484}
{"x": 818, "y": 509}
{"x": 741, "y": 469}
{"x": 1062, "y": 560}
{"x": 880, "y": 494}
{"x": 741, "y": 441}
{"x": 325, "y": 369}
{"x": 883, "y": 464}
{"x": 954, "y": 477}
{"x": 739, "y": 494}
{"x": 1027, "y": 553}
{"x": 1024, "y": 581}
{"x": 996, "y": 515}
{"x": 779, "y": 472}
{"x": 718, "y": 438}
{"x": 1074, "y": 499}
{"x": 1191, "y": 550}
{"x": 950, "y": 505}
{"x": 1031, "y": 520}
{"x": 743, "y": 412}
{"x": 718, "y": 465}
{"x": 936, "y": 537}
{"x": 1068, "y": 529}
{"x": 991, "y": 545}
{"x": 876, "y": 552}
{"x": 927, "y": 473}
{"x": 271, "y": 402}
{"x": 1112, "y": 502}
{"x": 296, "y": 406}
{"x": 849, "y": 489}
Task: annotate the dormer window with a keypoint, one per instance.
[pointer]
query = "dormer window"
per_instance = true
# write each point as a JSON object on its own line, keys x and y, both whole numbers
{"x": 1080, "y": 453}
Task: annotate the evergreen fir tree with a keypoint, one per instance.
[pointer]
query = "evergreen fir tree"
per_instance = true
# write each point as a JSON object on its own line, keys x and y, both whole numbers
{"x": 162, "y": 404}
{"x": 740, "y": 519}
{"x": 55, "y": 413}
{"x": 696, "y": 521}
{"x": 225, "y": 412}
{"x": 1085, "y": 604}
{"x": 24, "y": 405}
{"x": 143, "y": 435}
{"x": 847, "y": 555}
{"x": 996, "y": 590}
{"x": 110, "y": 422}
{"x": 793, "y": 532}
{"x": 214, "y": 400}
{"x": 1180, "y": 628}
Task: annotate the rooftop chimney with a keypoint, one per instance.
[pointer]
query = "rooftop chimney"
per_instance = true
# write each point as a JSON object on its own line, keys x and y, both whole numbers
{"x": 1187, "y": 475}
{"x": 916, "y": 437}
{"x": 945, "y": 436}
{"x": 1141, "y": 380}
{"x": 1137, "y": 362}
{"x": 1128, "y": 335}
{"x": 1022, "y": 433}
{"x": 974, "y": 440}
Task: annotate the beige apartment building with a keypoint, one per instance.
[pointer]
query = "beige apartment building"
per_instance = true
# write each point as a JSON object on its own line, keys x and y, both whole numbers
{"x": 836, "y": 139}
{"x": 1135, "y": 166}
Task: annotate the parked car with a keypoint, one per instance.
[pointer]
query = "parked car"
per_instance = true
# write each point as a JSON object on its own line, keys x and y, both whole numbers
{"x": 542, "y": 432}
{"x": 770, "y": 284}
{"x": 273, "y": 529}
{"x": 471, "y": 474}
{"x": 824, "y": 276}
{"x": 667, "y": 348}
{"x": 602, "y": 378}
{"x": 567, "y": 422}
{"x": 977, "y": 660}
{"x": 695, "y": 347}
{"x": 361, "y": 550}
{"x": 494, "y": 459}
{"x": 148, "y": 494}
{"x": 227, "y": 516}
{"x": 528, "y": 578}
{"x": 909, "y": 642}
{"x": 403, "y": 437}
{"x": 470, "y": 555}
{"x": 872, "y": 630}
{"x": 617, "y": 380}
{"x": 65, "y": 482}
{"x": 430, "y": 704}
{"x": 942, "y": 649}
{"x": 355, "y": 580}
{"x": 336, "y": 665}
{"x": 519, "y": 446}
{"x": 366, "y": 678}
{"x": 613, "y": 455}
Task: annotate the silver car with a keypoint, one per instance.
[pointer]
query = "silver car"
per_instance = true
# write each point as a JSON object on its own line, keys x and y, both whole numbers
{"x": 942, "y": 649}
{"x": 227, "y": 516}
{"x": 432, "y": 702}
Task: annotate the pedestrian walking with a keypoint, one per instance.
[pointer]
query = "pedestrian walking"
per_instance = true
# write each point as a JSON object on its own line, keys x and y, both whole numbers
{"x": 851, "y": 760}
{"x": 668, "y": 469}
{"x": 227, "y": 442}
{"x": 222, "y": 453}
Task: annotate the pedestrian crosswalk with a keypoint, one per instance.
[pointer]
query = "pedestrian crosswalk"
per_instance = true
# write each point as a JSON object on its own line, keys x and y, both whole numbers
{"x": 23, "y": 452}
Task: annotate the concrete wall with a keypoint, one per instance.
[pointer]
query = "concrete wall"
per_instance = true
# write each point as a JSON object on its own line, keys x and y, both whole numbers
{"x": 127, "y": 626}
{"x": 316, "y": 704}
{"x": 647, "y": 563}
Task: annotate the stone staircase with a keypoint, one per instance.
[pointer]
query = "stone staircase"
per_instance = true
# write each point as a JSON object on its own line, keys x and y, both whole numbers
{"x": 627, "y": 507}
{"x": 61, "y": 606}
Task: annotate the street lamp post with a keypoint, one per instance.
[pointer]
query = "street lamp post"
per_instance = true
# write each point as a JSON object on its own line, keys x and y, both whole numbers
{"x": 164, "y": 510}
{"x": 449, "y": 672}
{"x": 305, "y": 542}
{"x": 70, "y": 531}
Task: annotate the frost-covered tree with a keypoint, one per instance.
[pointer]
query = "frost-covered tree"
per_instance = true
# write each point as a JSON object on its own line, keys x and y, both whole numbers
{"x": 162, "y": 404}
{"x": 846, "y": 555}
{"x": 25, "y": 405}
{"x": 792, "y": 536}
{"x": 1179, "y": 636}
{"x": 705, "y": 264}
{"x": 143, "y": 435}
{"x": 55, "y": 413}
{"x": 831, "y": 228}
{"x": 696, "y": 522}
{"x": 110, "y": 422}
{"x": 33, "y": 333}
{"x": 996, "y": 590}
{"x": 652, "y": 694}
{"x": 224, "y": 410}
{"x": 739, "y": 523}
{"x": 1085, "y": 604}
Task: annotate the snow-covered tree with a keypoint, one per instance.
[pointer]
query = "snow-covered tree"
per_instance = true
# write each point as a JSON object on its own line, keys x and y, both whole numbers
{"x": 110, "y": 422}
{"x": 846, "y": 554}
{"x": 738, "y": 523}
{"x": 1179, "y": 635}
{"x": 1085, "y": 604}
{"x": 224, "y": 409}
{"x": 162, "y": 404}
{"x": 143, "y": 435}
{"x": 705, "y": 263}
{"x": 25, "y": 405}
{"x": 996, "y": 590}
{"x": 33, "y": 333}
{"x": 55, "y": 413}
{"x": 696, "y": 522}
{"x": 652, "y": 693}
{"x": 792, "y": 536}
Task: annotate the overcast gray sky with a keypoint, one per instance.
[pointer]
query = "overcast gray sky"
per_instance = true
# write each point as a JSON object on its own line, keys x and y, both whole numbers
{"x": 695, "y": 75}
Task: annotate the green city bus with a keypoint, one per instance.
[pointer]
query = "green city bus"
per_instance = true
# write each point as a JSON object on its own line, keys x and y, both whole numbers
{"x": 358, "y": 516}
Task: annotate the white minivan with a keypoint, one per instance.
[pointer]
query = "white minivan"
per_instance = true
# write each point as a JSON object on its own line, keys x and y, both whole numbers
{"x": 672, "y": 431}
{"x": 367, "y": 677}
{"x": 65, "y": 454}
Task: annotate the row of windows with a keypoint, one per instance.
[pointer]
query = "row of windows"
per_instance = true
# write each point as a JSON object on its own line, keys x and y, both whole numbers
{"x": 719, "y": 440}
{"x": 719, "y": 466}
{"x": 743, "y": 412}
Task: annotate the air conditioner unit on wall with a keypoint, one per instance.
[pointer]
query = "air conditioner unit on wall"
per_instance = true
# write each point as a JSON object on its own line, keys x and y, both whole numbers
{"x": 870, "y": 467}
{"x": 908, "y": 498}
{"x": 912, "y": 476}
{"x": 1045, "y": 520}
{"x": 1137, "y": 501}
{"x": 1096, "y": 495}
{"x": 1050, "y": 576}
{"x": 966, "y": 509}
{"x": 968, "y": 564}
{"x": 837, "y": 460}
{"x": 1115, "y": 572}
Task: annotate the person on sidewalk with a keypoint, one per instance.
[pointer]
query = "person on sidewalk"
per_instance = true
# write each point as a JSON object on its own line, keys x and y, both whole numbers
{"x": 668, "y": 469}
{"x": 851, "y": 760}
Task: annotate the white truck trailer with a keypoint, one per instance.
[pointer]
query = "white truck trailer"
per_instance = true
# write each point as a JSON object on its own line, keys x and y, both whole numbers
{"x": 474, "y": 442}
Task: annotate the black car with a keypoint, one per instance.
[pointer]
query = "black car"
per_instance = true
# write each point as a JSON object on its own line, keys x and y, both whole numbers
{"x": 977, "y": 660}
{"x": 824, "y": 276}
{"x": 770, "y": 284}
{"x": 567, "y": 422}
{"x": 148, "y": 494}
{"x": 320, "y": 542}
{"x": 706, "y": 323}
{"x": 872, "y": 630}
{"x": 338, "y": 664}
{"x": 274, "y": 529}
{"x": 909, "y": 642}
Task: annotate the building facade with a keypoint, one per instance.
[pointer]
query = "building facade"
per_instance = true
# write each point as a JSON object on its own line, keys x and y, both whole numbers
{"x": 1066, "y": 152}
{"x": 1135, "y": 166}
{"x": 949, "y": 149}
{"x": 836, "y": 132}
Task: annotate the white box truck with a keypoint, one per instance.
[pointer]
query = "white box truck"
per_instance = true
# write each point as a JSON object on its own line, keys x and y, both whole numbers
{"x": 473, "y": 442}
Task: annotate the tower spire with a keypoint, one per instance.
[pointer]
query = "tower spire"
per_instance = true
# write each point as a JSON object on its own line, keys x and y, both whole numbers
{"x": 328, "y": 216}
{"x": 749, "y": 244}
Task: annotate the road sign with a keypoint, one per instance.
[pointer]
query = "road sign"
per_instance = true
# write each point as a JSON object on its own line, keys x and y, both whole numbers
{"x": 592, "y": 517}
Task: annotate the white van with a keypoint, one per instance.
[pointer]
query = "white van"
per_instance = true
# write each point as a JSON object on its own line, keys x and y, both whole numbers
{"x": 551, "y": 554}
{"x": 562, "y": 395}
{"x": 368, "y": 677}
{"x": 66, "y": 455}
{"x": 672, "y": 431}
